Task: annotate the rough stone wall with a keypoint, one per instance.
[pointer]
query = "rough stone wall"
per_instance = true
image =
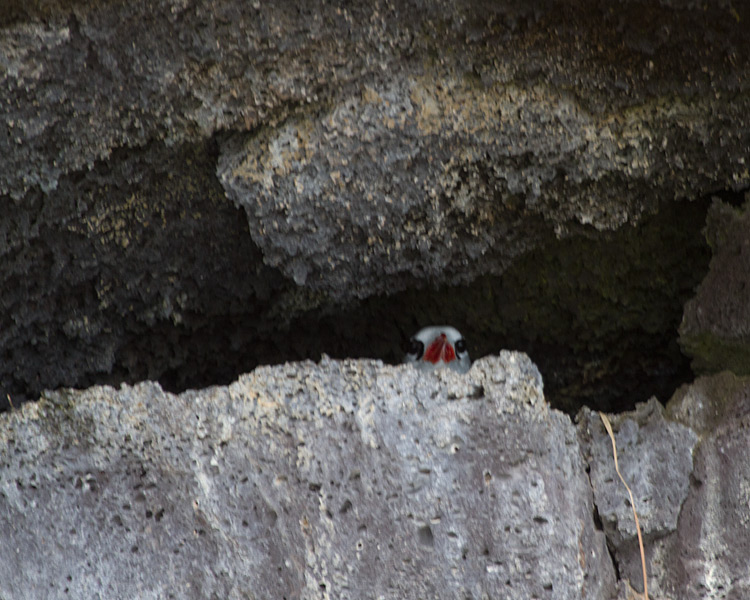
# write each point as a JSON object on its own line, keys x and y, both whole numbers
{"x": 715, "y": 328}
{"x": 338, "y": 480}
{"x": 370, "y": 148}
{"x": 195, "y": 188}
{"x": 350, "y": 479}
{"x": 687, "y": 466}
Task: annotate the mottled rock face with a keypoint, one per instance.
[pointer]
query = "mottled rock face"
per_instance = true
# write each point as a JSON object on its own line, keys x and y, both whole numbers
{"x": 705, "y": 557}
{"x": 341, "y": 480}
{"x": 715, "y": 328}
{"x": 191, "y": 189}
{"x": 655, "y": 458}
{"x": 353, "y": 479}
{"x": 688, "y": 470}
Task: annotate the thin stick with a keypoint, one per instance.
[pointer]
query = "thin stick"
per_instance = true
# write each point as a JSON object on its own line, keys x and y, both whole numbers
{"x": 608, "y": 427}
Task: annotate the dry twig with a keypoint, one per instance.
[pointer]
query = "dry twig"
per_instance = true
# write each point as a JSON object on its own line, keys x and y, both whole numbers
{"x": 608, "y": 427}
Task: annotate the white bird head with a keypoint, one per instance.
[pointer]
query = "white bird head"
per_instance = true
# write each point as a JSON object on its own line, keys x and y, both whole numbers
{"x": 436, "y": 347}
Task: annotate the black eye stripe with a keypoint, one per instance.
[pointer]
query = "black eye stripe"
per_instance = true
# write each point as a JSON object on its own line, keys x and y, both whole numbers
{"x": 416, "y": 347}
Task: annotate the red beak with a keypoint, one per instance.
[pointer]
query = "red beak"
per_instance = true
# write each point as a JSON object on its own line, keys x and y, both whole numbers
{"x": 439, "y": 349}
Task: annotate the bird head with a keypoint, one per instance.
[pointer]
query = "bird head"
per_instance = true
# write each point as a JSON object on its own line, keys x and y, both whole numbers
{"x": 436, "y": 347}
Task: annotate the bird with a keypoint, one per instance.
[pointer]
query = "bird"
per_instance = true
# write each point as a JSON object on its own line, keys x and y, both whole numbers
{"x": 436, "y": 347}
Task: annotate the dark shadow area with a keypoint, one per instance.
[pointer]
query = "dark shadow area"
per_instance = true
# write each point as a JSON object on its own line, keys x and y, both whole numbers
{"x": 598, "y": 314}
{"x": 160, "y": 280}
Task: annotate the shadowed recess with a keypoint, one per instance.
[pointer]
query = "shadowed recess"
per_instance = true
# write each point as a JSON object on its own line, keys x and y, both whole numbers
{"x": 177, "y": 292}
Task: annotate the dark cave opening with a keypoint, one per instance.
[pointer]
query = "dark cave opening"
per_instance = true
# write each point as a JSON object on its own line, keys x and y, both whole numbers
{"x": 606, "y": 340}
{"x": 597, "y": 312}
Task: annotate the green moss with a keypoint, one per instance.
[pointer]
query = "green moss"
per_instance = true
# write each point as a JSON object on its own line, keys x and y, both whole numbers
{"x": 712, "y": 353}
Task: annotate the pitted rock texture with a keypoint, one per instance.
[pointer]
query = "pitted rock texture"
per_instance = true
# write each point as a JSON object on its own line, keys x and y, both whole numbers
{"x": 715, "y": 328}
{"x": 688, "y": 470}
{"x": 338, "y": 480}
{"x": 655, "y": 456}
{"x": 184, "y": 181}
{"x": 643, "y": 91}
{"x": 707, "y": 556}
{"x": 435, "y": 175}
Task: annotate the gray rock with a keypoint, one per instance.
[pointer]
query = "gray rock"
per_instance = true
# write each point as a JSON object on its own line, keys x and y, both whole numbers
{"x": 373, "y": 148}
{"x": 655, "y": 456}
{"x": 338, "y": 480}
{"x": 381, "y": 189}
{"x": 707, "y": 556}
{"x": 688, "y": 469}
{"x": 715, "y": 327}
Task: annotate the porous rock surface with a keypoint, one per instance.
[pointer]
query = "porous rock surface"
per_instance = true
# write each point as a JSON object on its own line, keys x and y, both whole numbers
{"x": 171, "y": 171}
{"x": 687, "y": 467}
{"x": 332, "y": 480}
{"x": 442, "y": 168}
{"x": 655, "y": 458}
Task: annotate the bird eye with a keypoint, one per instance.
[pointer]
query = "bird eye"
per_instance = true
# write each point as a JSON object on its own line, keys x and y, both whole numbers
{"x": 460, "y": 345}
{"x": 416, "y": 347}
